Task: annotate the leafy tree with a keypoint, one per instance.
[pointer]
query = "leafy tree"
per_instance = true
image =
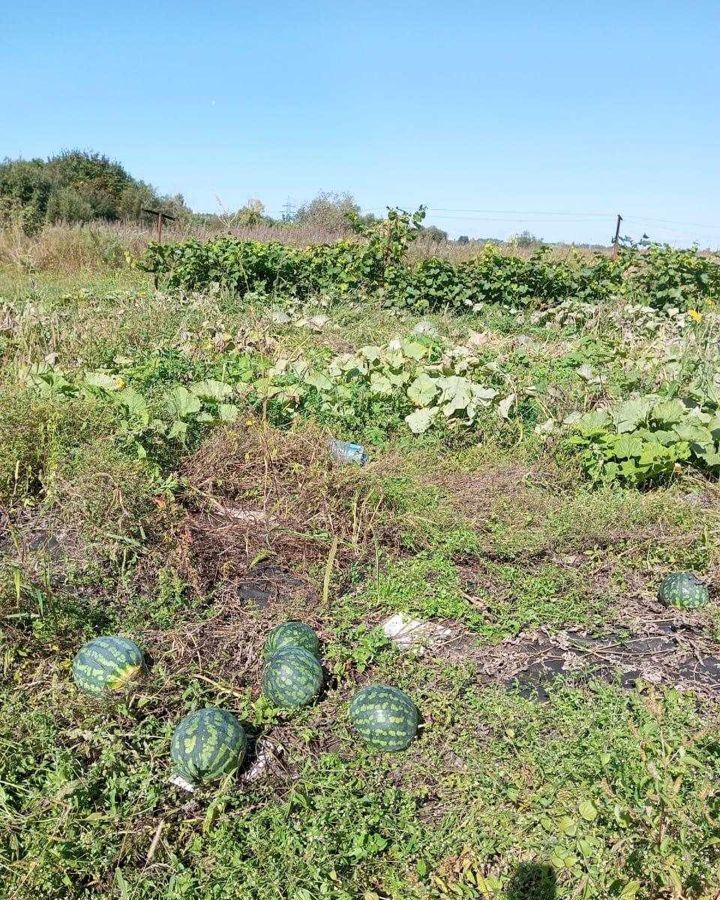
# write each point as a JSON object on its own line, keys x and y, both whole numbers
{"x": 525, "y": 239}
{"x": 330, "y": 211}
{"x": 25, "y": 188}
{"x": 66, "y": 204}
{"x": 74, "y": 186}
{"x": 434, "y": 234}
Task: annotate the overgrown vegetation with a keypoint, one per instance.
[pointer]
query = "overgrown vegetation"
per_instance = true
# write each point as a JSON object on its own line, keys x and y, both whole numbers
{"x": 377, "y": 266}
{"x": 73, "y": 186}
{"x": 543, "y": 441}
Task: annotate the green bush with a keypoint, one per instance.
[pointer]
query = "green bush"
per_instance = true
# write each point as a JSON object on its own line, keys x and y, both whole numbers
{"x": 378, "y": 266}
{"x": 73, "y": 186}
{"x": 648, "y": 439}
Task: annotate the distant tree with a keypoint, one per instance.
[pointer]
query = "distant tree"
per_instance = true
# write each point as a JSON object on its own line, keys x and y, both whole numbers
{"x": 434, "y": 234}
{"x": 330, "y": 211}
{"x": 136, "y": 197}
{"x": 463, "y": 239}
{"x": 524, "y": 239}
{"x": 252, "y": 214}
{"x": 95, "y": 178}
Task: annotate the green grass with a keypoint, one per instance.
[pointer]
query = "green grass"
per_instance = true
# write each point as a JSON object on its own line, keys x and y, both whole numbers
{"x": 599, "y": 792}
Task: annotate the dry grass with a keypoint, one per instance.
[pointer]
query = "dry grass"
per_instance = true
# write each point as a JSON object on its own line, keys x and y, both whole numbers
{"x": 269, "y": 511}
{"x": 102, "y": 246}
{"x": 267, "y": 531}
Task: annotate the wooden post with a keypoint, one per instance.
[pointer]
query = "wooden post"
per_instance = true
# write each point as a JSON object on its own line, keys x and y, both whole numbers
{"x": 616, "y": 239}
{"x": 160, "y": 216}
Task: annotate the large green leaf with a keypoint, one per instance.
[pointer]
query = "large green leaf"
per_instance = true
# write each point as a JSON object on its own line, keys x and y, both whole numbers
{"x": 181, "y": 402}
{"x": 319, "y": 381}
{"x": 104, "y": 381}
{"x": 420, "y": 420}
{"x": 694, "y": 433}
{"x": 216, "y": 391}
{"x": 456, "y": 394}
{"x": 228, "y": 412}
{"x": 628, "y": 446}
{"x": 594, "y": 422}
{"x": 423, "y": 390}
{"x": 413, "y": 350}
{"x": 669, "y": 412}
{"x": 135, "y": 404}
{"x": 380, "y": 384}
{"x": 628, "y": 415}
{"x": 505, "y": 405}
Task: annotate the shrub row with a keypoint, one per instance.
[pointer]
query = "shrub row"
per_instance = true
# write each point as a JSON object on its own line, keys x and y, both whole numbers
{"x": 657, "y": 276}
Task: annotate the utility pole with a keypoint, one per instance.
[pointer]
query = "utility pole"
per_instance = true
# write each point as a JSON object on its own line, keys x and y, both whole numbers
{"x": 288, "y": 213}
{"x": 616, "y": 239}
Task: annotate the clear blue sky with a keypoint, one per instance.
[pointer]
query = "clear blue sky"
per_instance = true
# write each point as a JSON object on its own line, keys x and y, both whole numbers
{"x": 546, "y": 116}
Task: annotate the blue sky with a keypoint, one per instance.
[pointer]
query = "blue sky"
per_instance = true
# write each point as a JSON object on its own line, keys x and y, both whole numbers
{"x": 499, "y": 117}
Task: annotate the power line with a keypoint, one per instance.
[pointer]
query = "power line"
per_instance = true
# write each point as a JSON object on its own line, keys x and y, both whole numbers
{"x": 537, "y": 217}
{"x": 672, "y": 222}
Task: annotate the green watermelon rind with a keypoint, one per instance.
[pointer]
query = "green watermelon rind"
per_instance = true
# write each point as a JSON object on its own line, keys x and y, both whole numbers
{"x": 107, "y": 664}
{"x": 293, "y": 678}
{"x": 292, "y": 634}
{"x": 384, "y": 717}
{"x": 683, "y": 590}
{"x": 208, "y": 744}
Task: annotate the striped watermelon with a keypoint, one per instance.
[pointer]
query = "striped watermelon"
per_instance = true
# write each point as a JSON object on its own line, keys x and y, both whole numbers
{"x": 106, "y": 664}
{"x": 385, "y": 717}
{"x": 207, "y": 744}
{"x": 292, "y": 678}
{"x": 684, "y": 591}
{"x": 292, "y": 634}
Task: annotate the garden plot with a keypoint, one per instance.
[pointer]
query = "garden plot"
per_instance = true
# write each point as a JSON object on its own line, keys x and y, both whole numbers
{"x": 541, "y": 457}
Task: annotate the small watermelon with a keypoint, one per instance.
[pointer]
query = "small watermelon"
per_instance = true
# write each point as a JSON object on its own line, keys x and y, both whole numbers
{"x": 106, "y": 664}
{"x": 293, "y": 678}
{"x": 385, "y": 717}
{"x": 207, "y": 744}
{"x": 684, "y": 591}
{"x": 292, "y": 634}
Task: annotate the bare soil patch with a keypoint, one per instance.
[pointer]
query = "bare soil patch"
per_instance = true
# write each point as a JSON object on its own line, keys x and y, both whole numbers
{"x": 646, "y": 643}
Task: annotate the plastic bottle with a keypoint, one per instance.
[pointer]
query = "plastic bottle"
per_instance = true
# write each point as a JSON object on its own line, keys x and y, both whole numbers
{"x": 347, "y": 452}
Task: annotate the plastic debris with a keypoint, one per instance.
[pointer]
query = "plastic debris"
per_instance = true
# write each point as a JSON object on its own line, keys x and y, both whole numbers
{"x": 279, "y": 317}
{"x": 426, "y": 328}
{"x": 184, "y": 785}
{"x": 414, "y": 634}
{"x": 347, "y": 452}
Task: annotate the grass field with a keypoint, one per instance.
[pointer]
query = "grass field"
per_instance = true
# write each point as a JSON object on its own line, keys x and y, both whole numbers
{"x": 164, "y": 474}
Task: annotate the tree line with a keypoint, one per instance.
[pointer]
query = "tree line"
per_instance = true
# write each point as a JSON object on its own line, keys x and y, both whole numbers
{"x": 79, "y": 186}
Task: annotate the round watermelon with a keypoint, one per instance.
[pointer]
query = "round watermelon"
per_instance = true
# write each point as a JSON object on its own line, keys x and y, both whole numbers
{"x": 107, "y": 664}
{"x": 293, "y": 678}
{"x": 385, "y": 717}
{"x": 207, "y": 744}
{"x": 292, "y": 634}
{"x": 684, "y": 591}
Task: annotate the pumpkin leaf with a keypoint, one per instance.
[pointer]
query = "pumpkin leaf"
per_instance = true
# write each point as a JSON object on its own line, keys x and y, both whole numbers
{"x": 423, "y": 390}
{"x": 420, "y": 420}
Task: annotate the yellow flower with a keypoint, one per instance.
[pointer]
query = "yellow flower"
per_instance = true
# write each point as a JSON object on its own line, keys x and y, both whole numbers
{"x": 695, "y": 315}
